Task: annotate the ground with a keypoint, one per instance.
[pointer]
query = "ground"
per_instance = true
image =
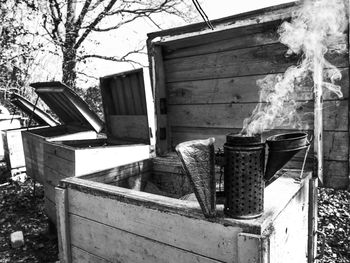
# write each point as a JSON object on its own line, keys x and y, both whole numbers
{"x": 23, "y": 210}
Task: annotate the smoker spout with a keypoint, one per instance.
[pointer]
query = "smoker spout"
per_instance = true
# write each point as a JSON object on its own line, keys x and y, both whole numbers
{"x": 282, "y": 148}
{"x": 198, "y": 160}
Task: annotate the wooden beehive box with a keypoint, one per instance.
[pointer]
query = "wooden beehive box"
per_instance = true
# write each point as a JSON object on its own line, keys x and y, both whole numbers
{"x": 78, "y": 122}
{"x": 208, "y": 80}
{"x": 7, "y": 122}
{"x": 128, "y": 136}
{"x": 104, "y": 217}
{"x": 12, "y": 138}
{"x": 204, "y": 86}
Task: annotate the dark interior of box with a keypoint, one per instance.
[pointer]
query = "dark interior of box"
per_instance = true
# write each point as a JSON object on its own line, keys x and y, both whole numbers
{"x": 160, "y": 175}
{"x": 82, "y": 144}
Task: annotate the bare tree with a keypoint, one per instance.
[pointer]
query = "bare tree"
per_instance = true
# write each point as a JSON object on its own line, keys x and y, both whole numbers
{"x": 16, "y": 47}
{"x": 69, "y": 23}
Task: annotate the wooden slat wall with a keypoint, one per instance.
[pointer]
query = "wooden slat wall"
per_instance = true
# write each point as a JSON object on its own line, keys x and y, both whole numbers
{"x": 211, "y": 87}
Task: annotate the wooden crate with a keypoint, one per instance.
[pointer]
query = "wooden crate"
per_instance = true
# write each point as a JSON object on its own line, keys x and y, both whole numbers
{"x": 207, "y": 78}
{"x": 128, "y": 139}
{"x": 7, "y": 122}
{"x": 78, "y": 122}
{"x": 12, "y": 138}
{"x": 132, "y": 214}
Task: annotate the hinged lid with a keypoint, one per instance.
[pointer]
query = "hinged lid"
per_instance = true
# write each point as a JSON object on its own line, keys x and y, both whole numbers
{"x": 67, "y": 105}
{"x": 37, "y": 114}
{"x": 125, "y": 108}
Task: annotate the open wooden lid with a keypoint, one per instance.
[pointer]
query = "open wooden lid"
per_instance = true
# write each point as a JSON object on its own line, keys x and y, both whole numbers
{"x": 125, "y": 109}
{"x": 67, "y": 105}
{"x": 37, "y": 114}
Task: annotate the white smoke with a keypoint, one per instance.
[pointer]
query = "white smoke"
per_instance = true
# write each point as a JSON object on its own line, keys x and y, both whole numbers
{"x": 315, "y": 29}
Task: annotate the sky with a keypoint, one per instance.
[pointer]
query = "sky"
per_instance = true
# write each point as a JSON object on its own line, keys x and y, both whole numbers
{"x": 134, "y": 34}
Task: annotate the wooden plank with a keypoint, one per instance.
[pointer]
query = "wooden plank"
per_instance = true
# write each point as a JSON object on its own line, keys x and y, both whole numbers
{"x": 335, "y": 143}
{"x": 235, "y": 90}
{"x": 119, "y": 172}
{"x": 53, "y": 176}
{"x": 131, "y": 127}
{"x": 249, "y": 248}
{"x": 243, "y": 62}
{"x": 243, "y": 20}
{"x": 50, "y": 210}
{"x": 197, "y": 236}
{"x": 63, "y": 226}
{"x": 231, "y": 115}
{"x": 14, "y": 145}
{"x": 160, "y": 93}
{"x": 60, "y": 150}
{"x": 337, "y": 182}
{"x": 94, "y": 159}
{"x": 116, "y": 245}
{"x": 81, "y": 256}
{"x": 289, "y": 234}
{"x": 60, "y": 165}
{"x": 312, "y": 220}
{"x": 228, "y": 40}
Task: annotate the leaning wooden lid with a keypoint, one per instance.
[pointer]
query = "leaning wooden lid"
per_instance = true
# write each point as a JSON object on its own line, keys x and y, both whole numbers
{"x": 37, "y": 114}
{"x": 67, "y": 105}
{"x": 125, "y": 108}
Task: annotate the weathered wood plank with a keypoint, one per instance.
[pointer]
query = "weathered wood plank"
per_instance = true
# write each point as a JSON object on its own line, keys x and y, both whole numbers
{"x": 60, "y": 150}
{"x": 250, "y": 248}
{"x": 133, "y": 127}
{"x": 130, "y": 248}
{"x": 234, "y": 90}
{"x": 63, "y": 225}
{"x": 289, "y": 232}
{"x": 90, "y": 160}
{"x": 50, "y": 210}
{"x": 256, "y": 36}
{"x": 197, "y": 236}
{"x": 160, "y": 94}
{"x": 335, "y": 143}
{"x": 231, "y": 115}
{"x": 243, "y": 62}
{"x": 62, "y": 166}
{"x": 337, "y": 182}
{"x": 119, "y": 172}
{"x": 81, "y": 256}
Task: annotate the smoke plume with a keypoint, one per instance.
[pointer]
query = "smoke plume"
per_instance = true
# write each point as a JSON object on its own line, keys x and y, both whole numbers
{"x": 315, "y": 29}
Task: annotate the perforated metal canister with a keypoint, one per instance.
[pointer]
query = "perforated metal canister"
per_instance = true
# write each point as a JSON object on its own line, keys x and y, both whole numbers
{"x": 243, "y": 176}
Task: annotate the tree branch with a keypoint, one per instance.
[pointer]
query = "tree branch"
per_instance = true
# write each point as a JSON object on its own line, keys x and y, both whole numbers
{"x": 83, "y": 12}
{"x": 94, "y": 23}
{"x": 123, "y": 58}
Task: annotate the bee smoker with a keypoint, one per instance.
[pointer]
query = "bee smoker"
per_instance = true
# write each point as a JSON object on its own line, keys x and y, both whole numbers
{"x": 244, "y": 176}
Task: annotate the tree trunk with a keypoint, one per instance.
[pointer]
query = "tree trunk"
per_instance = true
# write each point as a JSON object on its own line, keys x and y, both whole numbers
{"x": 68, "y": 50}
{"x": 69, "y": 65}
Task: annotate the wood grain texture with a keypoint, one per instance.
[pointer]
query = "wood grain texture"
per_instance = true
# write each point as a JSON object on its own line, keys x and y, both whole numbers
{"x": 81, "y": 256}
{"x": 288, "y": 238}
{"x": 242, "y": 62}
{"x": 231, "y": 115}
{"x": 235, "y": 90}
{"x": 63, "y": 226}
{"x": 130, "y": 127}
{"x": 196, "y": 236}
{"x": 130, "y": 248}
